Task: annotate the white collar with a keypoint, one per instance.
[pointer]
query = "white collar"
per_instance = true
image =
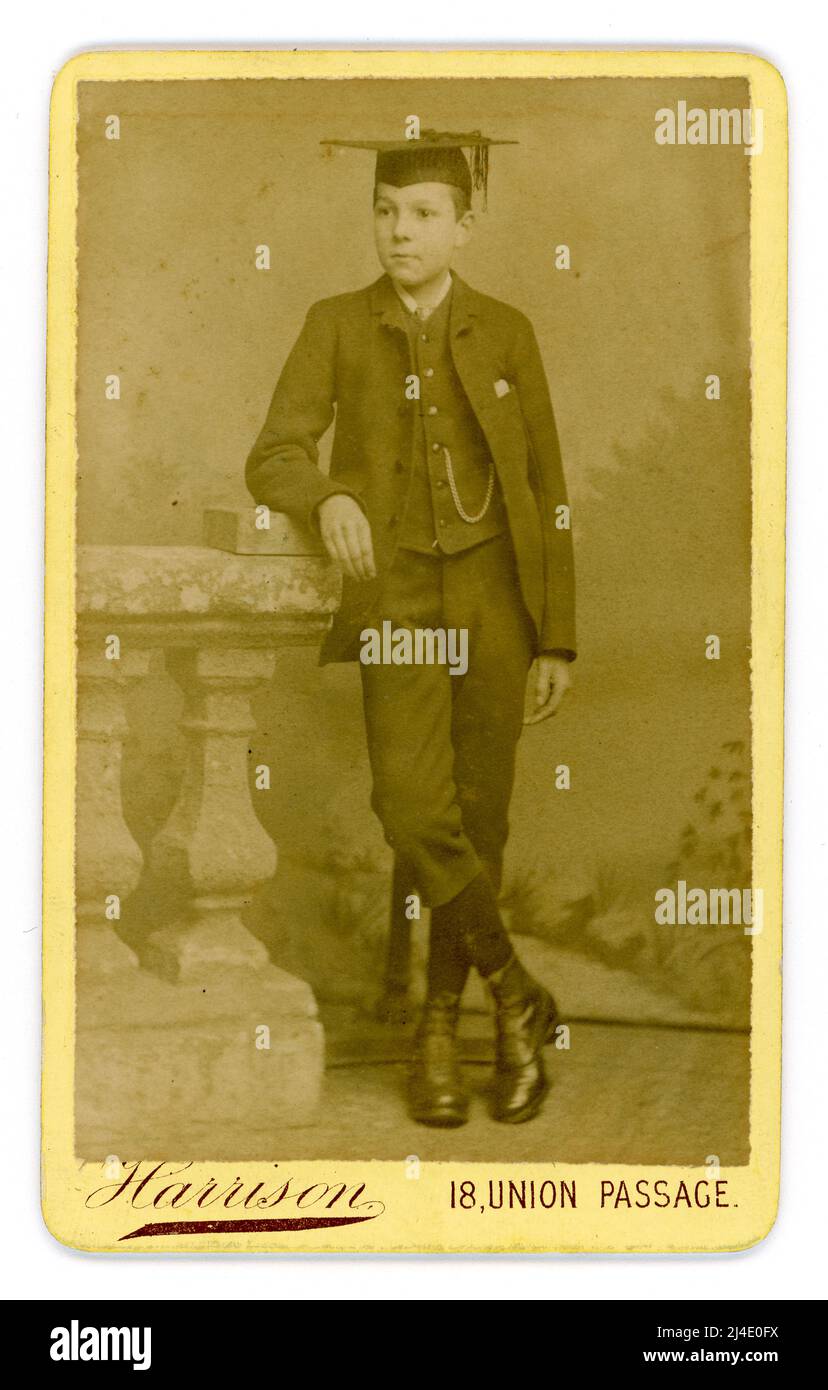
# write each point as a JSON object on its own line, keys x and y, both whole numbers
{"x": 411, "y": 304}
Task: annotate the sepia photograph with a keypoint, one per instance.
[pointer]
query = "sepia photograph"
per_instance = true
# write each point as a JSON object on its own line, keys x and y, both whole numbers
{"x": 415, "y": 635}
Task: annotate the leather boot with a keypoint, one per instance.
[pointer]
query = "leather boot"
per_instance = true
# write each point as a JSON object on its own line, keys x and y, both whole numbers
{"x": 436, "y": 1093}
{"x": 525, "y": 1018}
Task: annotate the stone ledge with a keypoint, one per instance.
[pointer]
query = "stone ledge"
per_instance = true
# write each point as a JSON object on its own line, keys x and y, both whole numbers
{"x": 198, "y": 582}
{"x": 239, "y": 533}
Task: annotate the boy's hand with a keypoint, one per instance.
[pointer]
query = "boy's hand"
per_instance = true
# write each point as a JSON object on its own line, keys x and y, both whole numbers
{"x": 346, "y": 535}
{"x": 552, "y": 680}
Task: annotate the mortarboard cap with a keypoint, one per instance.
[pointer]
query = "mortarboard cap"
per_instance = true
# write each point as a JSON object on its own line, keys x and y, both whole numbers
{"x": 435, "y": 157}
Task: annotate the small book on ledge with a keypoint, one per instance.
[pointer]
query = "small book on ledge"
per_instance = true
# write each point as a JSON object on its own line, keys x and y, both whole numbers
{"x": 258, "y": 531}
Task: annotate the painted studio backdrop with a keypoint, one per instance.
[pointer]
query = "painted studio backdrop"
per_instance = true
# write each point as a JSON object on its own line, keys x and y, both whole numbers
{"x": 655, "y": 734}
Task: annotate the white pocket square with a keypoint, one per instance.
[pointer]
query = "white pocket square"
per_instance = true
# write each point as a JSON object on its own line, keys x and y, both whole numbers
{"x": 502, "y": 388}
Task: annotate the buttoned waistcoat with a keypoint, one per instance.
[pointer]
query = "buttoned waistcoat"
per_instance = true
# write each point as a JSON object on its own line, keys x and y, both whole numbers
{"x": 446, "y": 436}
{"x": 351, "y": 360}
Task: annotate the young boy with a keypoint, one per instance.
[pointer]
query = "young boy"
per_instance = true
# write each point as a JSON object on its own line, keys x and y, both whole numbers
{"x": 446, "y": 509}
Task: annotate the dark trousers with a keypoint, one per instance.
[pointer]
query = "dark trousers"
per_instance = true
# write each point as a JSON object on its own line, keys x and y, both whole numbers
{"x": 441, "y": 746}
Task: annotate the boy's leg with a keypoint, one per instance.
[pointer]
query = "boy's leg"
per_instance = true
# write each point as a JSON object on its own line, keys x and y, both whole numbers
{"x": 442, "y": 747}
{"x": 408, "y": 721}
{"x": 408, "y": 725}
{"x": 482, "y": 592}
{"x": 423, "y": 725}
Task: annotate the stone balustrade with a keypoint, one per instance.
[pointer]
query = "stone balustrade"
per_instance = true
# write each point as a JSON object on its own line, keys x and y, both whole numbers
{"x": 193, "y": 1043}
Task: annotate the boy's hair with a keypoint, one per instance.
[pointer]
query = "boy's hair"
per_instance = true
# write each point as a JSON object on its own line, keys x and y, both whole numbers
{"x": 459, "y": 196}
{"x": 461, "y": 200}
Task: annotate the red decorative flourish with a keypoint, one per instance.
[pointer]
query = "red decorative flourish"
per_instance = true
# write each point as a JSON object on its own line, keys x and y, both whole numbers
{"x": 207, "y": 1228}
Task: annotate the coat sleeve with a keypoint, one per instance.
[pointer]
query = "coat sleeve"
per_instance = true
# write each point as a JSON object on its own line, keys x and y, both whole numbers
{"x": 547, "y": 478}
{"x": 282, "y": 469}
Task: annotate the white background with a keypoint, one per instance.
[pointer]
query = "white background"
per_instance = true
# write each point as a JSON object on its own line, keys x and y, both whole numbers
{"x": 789, "y": 1264}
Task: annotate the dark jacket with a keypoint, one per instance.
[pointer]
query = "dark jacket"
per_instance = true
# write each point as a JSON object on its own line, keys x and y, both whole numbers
{"x": 352, "y": 355}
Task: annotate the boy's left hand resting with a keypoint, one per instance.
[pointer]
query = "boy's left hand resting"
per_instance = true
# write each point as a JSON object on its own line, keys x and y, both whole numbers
{"x": 346, "y": 535}
{"x": 552, "y": 680}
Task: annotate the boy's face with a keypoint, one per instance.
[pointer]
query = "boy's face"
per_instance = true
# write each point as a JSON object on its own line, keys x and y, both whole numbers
{"x": 417, "y": 231}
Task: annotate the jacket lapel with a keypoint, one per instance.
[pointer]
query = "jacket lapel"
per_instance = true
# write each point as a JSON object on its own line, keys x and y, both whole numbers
{"x": 464, "y": 308}
{"x": 385, "y": 304}
{"x": 469, "y": 348}
{"x": 477, "y": 360}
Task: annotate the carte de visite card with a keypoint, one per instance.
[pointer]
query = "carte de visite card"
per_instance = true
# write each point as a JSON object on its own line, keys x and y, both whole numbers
{"x": 414, "y": 651}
